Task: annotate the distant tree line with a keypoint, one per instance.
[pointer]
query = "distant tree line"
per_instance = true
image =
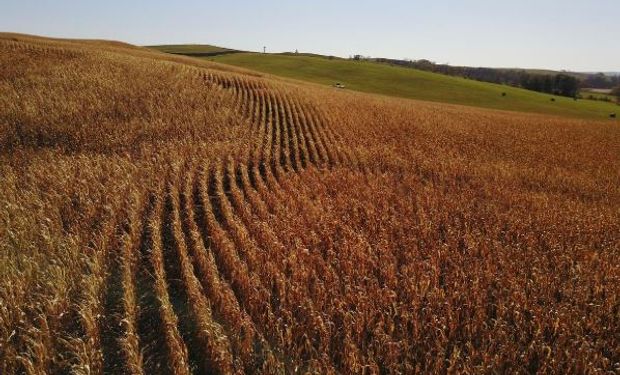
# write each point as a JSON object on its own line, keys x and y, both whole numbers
{"x": 601, "y": 81}
{"x": 558, "y": 84}
{"x": 564, "y": 84}
{"x": 616, "y": 92}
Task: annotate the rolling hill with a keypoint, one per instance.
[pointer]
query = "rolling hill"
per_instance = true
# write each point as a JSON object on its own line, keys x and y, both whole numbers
{"x": 195, "y": 50}
{"x": 414, "y": 84}
{"x": 171, "y": 215}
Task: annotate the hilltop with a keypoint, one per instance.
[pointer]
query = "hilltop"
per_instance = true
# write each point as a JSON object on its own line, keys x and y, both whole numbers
{"x": 194, "y": 50}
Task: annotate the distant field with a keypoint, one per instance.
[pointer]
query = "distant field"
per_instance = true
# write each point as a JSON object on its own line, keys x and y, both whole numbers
{"x": 414, "y": 84}
{"x": 191, "y": 49}
{"x": 599, "y": 91}
{"x": 599, "y": 94}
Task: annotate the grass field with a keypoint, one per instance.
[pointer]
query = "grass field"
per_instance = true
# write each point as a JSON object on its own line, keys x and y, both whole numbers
{"x": 190, "y": 49}
{"x": 598, "y": 95}
{"x": 414, "y": 84}
{"x": 167, "y": 215}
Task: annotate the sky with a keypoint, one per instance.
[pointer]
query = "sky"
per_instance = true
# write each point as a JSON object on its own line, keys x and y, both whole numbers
{"x": 576, "y": 35}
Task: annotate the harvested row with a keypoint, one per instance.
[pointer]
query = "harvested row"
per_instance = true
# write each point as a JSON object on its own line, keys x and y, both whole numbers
{"x": 42, "y": 50}
{"x": 119, "y": 336}
{"x": 324, "y": 268}
{"x": 159, "y": 334}
{"x": 285, "y": 137}
{"x": 258, "y": 178}
{"x": 338, "y": 148}
{"x": 129, "y": 341}
{"x": 81, "y": 328}
{"x": 252, "y": 257}
{"x": 277, "y": 133}
{"x": 235, "y": 321}
{"x": 311, "y": 128}
{"x": 173, "y": 224}
{"x": 210, "y": 343}
{"x": 287, "y": 132}
{"x": 300, "y": 145}
{"x": 277, "y": 269}
{"x": 268, "y": 131}
{"x": 288, "y": 330}
{"x": 352, "y": 356}
{"x": 302, "y": 126}
{"x": 182, "y": 262}
{"x": 149, "y": 325}
{"x": 252, "y": 296}
{"x": 249, "y": 190}
{"x": 177, "y": 351}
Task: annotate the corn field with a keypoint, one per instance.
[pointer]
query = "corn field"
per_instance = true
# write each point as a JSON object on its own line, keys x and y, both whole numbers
{"x": 161, "y": 214}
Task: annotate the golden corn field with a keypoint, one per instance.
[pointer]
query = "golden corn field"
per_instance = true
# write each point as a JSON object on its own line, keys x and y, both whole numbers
{"x": 161, "y": 214}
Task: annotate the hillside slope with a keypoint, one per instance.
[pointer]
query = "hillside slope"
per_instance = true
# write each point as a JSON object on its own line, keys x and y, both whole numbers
{"x": 163, "y": 215}
{"x": 415, "y": 84}
{"x": 196, "y": 50}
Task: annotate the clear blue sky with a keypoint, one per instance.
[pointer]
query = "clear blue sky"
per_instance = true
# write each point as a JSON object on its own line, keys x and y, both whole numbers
{"x": 579, "y": 35}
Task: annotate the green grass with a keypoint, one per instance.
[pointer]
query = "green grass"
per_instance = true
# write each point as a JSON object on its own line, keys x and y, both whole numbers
{"x": 415, "y": 84}
{"x": 190, "y": 48}
{"x": 597, "y": 95}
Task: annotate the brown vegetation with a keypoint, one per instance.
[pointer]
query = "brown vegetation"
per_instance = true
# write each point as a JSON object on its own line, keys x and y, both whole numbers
{"x": 166, "y": 215}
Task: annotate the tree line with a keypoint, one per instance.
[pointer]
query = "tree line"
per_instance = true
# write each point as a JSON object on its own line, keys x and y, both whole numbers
{"x": 564, "y": 84}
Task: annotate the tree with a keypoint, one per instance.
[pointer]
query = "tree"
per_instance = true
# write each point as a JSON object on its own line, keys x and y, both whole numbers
{"x": 616, "y": 93}
{"x": 566, "y": 85}
{"x": 597, "y": 81}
